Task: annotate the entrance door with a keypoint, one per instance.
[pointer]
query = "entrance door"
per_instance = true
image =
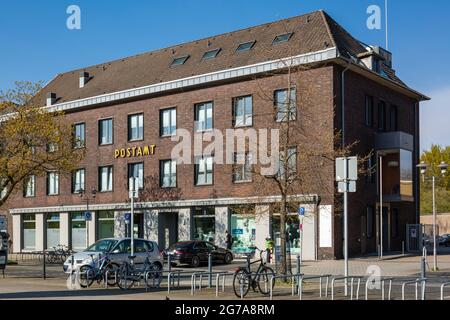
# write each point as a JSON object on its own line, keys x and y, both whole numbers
{"x": 138, "y": 228}
{"x": 167, "y": 229}
{"x": 363, "y": 235}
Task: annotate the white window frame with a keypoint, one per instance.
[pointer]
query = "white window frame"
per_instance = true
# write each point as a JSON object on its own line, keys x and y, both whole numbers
{"x": 169, "y": 115}
{"x": 170, "y": 176}
{"x": 204, "y": 167}
{"x": 203, "y": 112}
{"x": 109, "y": 178}
{"x": 243, "y": 113}
{"x": 52, "y": 183}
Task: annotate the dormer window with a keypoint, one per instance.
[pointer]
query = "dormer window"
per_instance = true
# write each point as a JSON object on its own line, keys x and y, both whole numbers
{"x": 282, "y": 38}
{"x": 179, "y": 61}
{"x": 211, "y": 54}
{"x": 246, "y": 46}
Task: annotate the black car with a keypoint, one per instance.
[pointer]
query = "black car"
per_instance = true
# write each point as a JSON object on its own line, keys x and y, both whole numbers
{"x": 195, "y": 253}
{"x": 444, "y": 240}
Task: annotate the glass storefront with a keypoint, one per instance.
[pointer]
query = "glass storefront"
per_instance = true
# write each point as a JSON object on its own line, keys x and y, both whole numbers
{"x": 29, "y": 232}
{"x": 78, "y": 231}
{"x": 105, "y": 228}
{"x": 293, "y": 235}
{"x": 204, "y": 224}
{"x": 53, "y": 226}
{"x": 243, "y": 231}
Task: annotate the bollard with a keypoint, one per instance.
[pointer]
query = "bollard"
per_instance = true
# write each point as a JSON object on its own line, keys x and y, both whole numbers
{"x": 268, "y": 255}
{"x": 169, "y": 262}
{"x": 44, "y": 268}
{"x": 403, "y": 248}
{"x": 209, "y": 270}
{"x": 298, "y": 263}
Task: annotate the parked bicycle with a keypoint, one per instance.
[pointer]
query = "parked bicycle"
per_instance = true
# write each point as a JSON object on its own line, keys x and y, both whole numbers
{"x": 130, "y": 273}
{"x": 96, "y": 271}
{"x": 258, "y": 281}
{"x": 56, "y": 255}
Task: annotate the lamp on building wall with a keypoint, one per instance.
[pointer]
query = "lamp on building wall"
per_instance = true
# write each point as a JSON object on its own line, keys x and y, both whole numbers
{"x": 443, "y": 167}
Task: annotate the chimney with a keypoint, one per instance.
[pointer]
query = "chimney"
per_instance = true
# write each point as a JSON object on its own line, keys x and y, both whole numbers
{"x": 84, "y": 78}
{"x": 51, "y": 98}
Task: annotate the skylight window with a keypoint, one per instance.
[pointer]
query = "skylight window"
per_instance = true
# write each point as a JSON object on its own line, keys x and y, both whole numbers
{"x": 282, "y": 38}
{"x": 246, "y": 46}
{"x": 179, "y": 61}
{"x": 211, "y": 54}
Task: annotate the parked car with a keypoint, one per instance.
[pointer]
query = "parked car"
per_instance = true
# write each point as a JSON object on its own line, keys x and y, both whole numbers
{"x": 118, "y": 250}
{"x": 195, "y": 253}
{"x": 444, "y": 240}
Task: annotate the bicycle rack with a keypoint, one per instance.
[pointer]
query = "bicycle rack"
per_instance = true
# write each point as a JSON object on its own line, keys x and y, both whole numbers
{"x": 292, "y": 277}
{"x": 416, "y": 283}
{"x": 106, "y": 277}
{"x": 171, "y": 279}
{"x": 200, "y": 276}
{"x": 352, "y": 280}
{"x": 146, "y": 273}
{"x": 443, "y": 286}
{"x": 383, "y": 288}
{"x": 327, "y": 276}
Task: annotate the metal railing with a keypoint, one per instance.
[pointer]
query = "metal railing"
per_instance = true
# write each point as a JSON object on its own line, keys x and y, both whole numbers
{"x": 383, "y": 288}
{"x": 303, "y": 278}
{"x": 443, "y": 286}
{"x": 416, "y": 283}
{"x": 352, "y": 280}
{"x": 200, "y": 276}
{"x": 295, "y": 278}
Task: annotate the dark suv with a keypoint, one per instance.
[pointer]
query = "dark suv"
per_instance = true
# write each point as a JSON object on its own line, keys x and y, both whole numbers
{"x": 195, "y": 253}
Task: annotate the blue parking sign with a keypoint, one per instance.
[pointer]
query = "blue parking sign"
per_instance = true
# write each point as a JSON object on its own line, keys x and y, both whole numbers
{"x": 301, "y": 211}
{"x": 88, "y": 216}
{"x": 128, "y": 217}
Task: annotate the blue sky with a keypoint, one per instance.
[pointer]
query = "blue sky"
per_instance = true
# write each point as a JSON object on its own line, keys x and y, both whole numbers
{"x": 36, "y": 44}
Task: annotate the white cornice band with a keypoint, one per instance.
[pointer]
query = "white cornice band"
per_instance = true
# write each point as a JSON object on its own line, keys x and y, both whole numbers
{"x": 168, "y": 204}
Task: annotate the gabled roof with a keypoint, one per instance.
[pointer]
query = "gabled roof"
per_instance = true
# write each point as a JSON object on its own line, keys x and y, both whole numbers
{"x": 312, "y": 32}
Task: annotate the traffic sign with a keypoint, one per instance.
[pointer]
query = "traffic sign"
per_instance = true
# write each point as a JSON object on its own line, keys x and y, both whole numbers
{"x": 347, "y": 186}
{"x": 301, "y": 211}
{"x": 127, "y": 217}
{"x": 88, "y": 216}
{"x": 352, "y": 169}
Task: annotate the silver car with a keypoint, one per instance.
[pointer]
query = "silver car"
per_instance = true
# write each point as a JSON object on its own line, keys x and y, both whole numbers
{"x": 118, "y": 250}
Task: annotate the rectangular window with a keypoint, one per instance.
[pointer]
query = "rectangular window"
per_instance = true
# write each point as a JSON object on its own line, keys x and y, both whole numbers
{"x": 242, "y": 170}
{"x": 78, "y": 181}
{"x": 204, "y": 224}
{"x": 393, "y": 118}
{"x": 204, "y": 170}
{"x": 29, "y": 231}
{"x": 78, "y": 231}
{"x": 52, "y": 183}
{"x": 246, "y": 46}
{"x": 288, "y": 160}
{"x": 105, "y": 228}
{"x": 52, "y": 147}
{"x": 53, "y": 235}
{"x": 372, "y": 168}
{"x": 369, "y": 111}
{"x": 370, "y": 220}
{"x": 105, "y": 179}
{"x": 203, "y": 116}
{"x": 286, "y": 104}
{"x": 179, "y": 61}
{"x": 30, "y": 187}
{"x": 211, "y": 54}
{"x": 243, "y": 111}
{"x": 136, "y": 127}
{"x": 282, "y": 38}
{"x": 136, "y": 170}
{"x": 105, "y": 132}
{"x": 382, "y": 116}
{"x": 168, "y": 173}
{"x": 79, "y": 131}
{"x": 168, "y": 122}
{"x": 394, "y": 223}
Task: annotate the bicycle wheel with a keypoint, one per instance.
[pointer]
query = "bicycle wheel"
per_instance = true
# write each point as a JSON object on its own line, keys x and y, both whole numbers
{"x": 86, "y": 278}
{"x": 263, "y": 280}
{"x": 241, "y": 281}
{"x": 125, "y": 279}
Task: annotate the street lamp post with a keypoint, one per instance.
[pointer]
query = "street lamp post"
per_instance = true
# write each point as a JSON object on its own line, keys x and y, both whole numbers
{"x": 423, "y": 168}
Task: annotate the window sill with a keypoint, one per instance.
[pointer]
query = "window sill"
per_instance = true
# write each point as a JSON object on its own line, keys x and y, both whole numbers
{"x": 168, "y": 135}
{"x": 136, "y": 140}
{"x": 204, "y": 185}
{"x": 105, "y": 144}
{"x": 243, "y": 181}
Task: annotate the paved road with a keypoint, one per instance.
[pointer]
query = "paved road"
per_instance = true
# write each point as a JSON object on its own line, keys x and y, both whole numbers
{"x": 25, "y": 281}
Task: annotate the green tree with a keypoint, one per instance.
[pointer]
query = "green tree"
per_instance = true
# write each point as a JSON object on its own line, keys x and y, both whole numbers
{"x": 26, "y": 133}
{"x": 433, "y": 158}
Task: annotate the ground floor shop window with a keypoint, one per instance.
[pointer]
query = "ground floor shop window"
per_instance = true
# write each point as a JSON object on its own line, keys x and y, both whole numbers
{"x": 243, "y": 231}
{"x": 29, "y": 232}
{"x": 78, "y": 230}
{"x": 204, "y": 224}
{"x": 53, "y": 230}
{"x": 293, "y": 234}
{"x": 105, "y": 224}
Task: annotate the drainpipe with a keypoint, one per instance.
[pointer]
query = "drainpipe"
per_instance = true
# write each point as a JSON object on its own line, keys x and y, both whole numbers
{"x": 417, "y": 156}
{"x": 343, "y": 101}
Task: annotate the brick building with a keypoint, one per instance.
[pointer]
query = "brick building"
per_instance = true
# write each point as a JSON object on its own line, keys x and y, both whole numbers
{"x": 124, "y": 112}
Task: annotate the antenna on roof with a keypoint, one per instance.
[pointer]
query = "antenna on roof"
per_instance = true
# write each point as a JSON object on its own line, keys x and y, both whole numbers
{"x": 387, "y": 23}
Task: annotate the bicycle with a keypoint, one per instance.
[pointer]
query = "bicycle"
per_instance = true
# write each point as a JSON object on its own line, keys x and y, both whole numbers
{"x": 243, "y": 278}
{"x": 96, "y": 271}
{"x": 128, "y": 273}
